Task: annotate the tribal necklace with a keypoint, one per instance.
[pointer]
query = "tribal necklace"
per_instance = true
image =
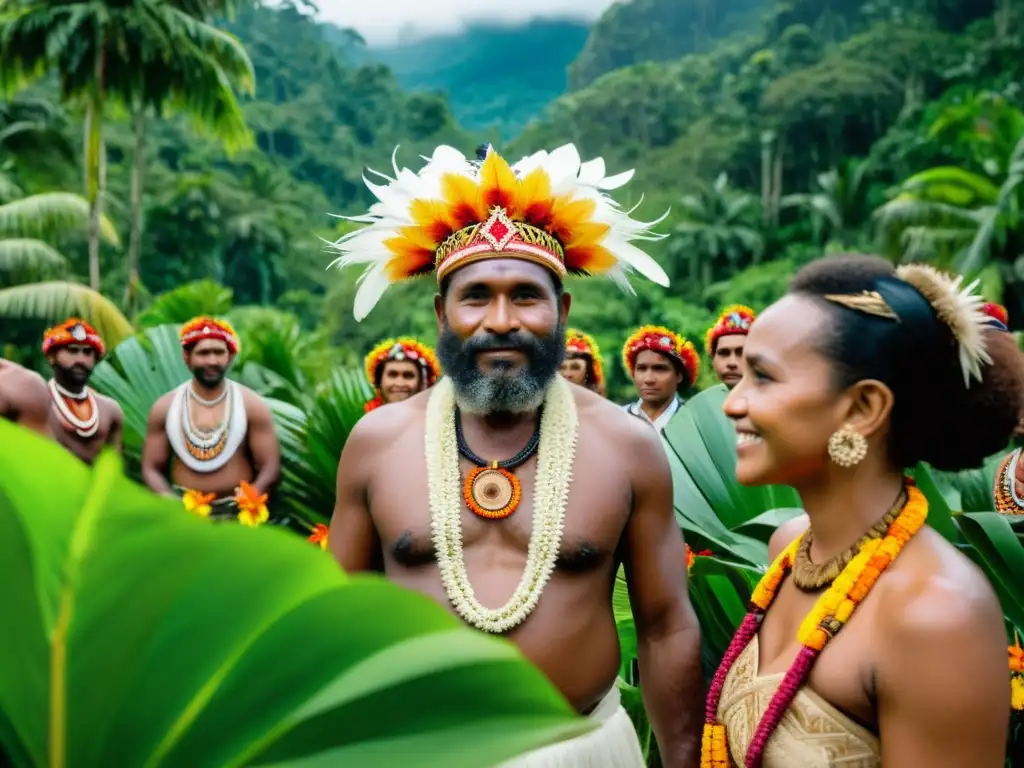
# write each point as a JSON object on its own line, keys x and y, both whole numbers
{"x": 810, "y": 577}
{"x": 86, "y": 427}
{"x": 206, "y": 444}
{"x": 556, "y": 452}
{"x": 490, "y": 490}
{"x": 1008, "y": 501}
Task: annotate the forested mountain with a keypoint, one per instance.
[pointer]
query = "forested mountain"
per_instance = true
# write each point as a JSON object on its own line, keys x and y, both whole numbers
{"x": 774, "y": 132}
{"x": 496, "y": 77}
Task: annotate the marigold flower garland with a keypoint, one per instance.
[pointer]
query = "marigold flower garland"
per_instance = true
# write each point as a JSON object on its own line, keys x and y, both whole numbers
{"x": 828, "y": 616}
{"x": 1016, "y": 675}
{"x": 559, "y": 427}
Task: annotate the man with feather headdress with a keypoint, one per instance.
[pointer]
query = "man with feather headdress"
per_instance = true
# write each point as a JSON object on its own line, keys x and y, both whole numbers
{"x": 503, "y": 492}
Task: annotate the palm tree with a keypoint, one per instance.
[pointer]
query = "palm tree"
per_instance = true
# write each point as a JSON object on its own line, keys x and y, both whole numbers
{"x": 839, "y": 205}
{"x": 143, "y": 55}
{"x": 719, "y": 230}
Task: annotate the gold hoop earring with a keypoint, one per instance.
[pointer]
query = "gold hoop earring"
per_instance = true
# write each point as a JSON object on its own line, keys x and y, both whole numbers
{"x": 846, "y": 447}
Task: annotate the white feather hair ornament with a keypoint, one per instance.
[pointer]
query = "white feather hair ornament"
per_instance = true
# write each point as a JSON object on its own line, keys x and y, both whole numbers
{"x": 549, "y": 208}
{"x": 958, "y": 307}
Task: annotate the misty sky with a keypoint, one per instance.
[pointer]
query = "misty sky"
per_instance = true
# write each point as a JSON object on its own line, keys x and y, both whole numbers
{"x": 381, "y": 21}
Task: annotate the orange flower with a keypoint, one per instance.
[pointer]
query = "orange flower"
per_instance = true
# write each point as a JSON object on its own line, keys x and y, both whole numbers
{"x": 198, "y": 503}
{"x": 690, "y": 555}
{"x": 319, "y": 535}
{"x": 1016, "y": 674}
{"x": 252, "y": 505}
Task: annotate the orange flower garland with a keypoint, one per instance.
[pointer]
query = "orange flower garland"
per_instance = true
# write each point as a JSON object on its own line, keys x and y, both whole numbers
{"x": 319, "y": 535}
{"x": 198, "y": 503}
{"x": 252, "y": 505}
{"x": 657, "y": 338}
{"x": 825, "y": 620}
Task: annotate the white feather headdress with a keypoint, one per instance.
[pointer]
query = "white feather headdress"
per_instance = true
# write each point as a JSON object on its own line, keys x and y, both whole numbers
{"x": 550, "y": 208}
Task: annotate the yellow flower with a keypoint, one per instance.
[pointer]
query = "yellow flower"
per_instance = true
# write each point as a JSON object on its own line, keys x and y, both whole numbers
{"x": 198, "y": 503}
{"x": 252, "y": 505}
{"x": 1017, "y": 692}
{"x": 319, "y": 535}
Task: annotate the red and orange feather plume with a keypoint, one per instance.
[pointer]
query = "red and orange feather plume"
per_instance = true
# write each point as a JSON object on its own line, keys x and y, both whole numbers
{"x": 997, "y": 312}
{"x": 556, "y": 193}
{"x": 657, "y": 338}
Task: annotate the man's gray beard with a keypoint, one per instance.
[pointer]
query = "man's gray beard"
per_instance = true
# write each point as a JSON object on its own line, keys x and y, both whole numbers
{"x": 503, "y": 392}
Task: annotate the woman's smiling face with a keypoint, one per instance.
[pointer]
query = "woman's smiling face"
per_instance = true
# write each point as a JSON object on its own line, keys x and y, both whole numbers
{"x": 785, "y": 407}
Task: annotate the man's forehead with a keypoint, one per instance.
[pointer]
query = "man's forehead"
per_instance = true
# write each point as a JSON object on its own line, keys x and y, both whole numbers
{"x": 210, "y": 345}
{"x": 652, "y": 358}
{"x": 501, "y": 271}
{"x": 732, "y": 341}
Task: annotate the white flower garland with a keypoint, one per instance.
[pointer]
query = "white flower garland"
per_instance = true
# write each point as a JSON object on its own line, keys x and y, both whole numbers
{"x": 558, "y": 432}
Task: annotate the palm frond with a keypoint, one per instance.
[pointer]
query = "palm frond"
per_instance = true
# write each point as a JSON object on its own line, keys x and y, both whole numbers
{"x": 48, "y": 214}
{"x": 57, "y": 300}
{"x": 25, "y": 254}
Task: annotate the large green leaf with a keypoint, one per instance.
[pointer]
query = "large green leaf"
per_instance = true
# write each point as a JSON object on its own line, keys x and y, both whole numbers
{"x": 143, "y": 636}
{"x": 712, "y": 507}
{"x": 55, "y": 301}
{"x": 997, "y": 549}
{"x": 940, "y": 515}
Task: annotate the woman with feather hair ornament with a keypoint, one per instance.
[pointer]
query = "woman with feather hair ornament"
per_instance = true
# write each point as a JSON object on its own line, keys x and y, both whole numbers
{"x": 533, "y": 487}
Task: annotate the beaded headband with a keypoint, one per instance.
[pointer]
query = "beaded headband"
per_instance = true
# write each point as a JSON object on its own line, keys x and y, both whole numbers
{"x": 73, "y": 331}
{"x": 959, "y": 309}
{"x": 734, "y": 320}
{"x": 199, "y": 328}
{"x": 657, "y": 338}
{"x": 549, "y": 208}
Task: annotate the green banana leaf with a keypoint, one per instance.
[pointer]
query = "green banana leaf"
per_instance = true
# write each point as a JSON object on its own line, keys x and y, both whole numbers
{"x": 139, "y": 635}
{"x": 996, "y": 547}
{"x": 714, "y": 510}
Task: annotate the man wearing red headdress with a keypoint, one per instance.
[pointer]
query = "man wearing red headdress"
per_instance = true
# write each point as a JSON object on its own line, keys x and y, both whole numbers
{"x": 724, "y": 343}
{"x": 662, "y": 364}
{"x": 399, "y": 368}
{"x": 215, "y": 436}
{"x": 24, "y": 398}
{"x": 1008, "y": 490}
{"x": 583, "y": 364}
{"x": 83, "y": 421}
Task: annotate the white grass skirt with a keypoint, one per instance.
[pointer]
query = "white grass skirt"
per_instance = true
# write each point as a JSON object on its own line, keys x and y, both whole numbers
{"x": 613, "y": 745}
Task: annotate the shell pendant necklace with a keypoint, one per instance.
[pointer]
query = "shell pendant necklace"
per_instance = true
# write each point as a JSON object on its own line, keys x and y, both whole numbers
{"x": 490, "y": 490}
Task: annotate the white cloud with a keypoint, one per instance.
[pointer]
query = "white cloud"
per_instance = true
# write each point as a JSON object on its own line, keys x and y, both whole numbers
{"x": 383, "y": 22}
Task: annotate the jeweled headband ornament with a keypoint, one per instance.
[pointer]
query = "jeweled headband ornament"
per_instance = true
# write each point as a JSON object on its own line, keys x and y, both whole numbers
{"x": 73, "y": 331}
{"x": 549, "y": 208}
{"x": 579, "y": 343}
{"x": 958, "y": 308}
{"x": 660, "y": 339}
{"x": 734, "y": 320}
{"x": 199, "y": 328}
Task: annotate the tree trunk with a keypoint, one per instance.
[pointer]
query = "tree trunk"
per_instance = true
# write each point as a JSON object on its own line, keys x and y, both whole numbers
{"x": 94, "y": 171}
{"x": 766, "y": 177}
{"x": 777, "y": 182}
{"x": 138, "y": 179}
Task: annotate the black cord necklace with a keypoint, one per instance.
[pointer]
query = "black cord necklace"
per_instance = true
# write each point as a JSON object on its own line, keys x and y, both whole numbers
{"x": 491, "y": 490}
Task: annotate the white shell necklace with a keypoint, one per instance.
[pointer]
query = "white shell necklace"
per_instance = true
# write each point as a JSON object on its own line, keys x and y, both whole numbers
{"x": 83, "y": 427}
{"x": 558, "y": 431}
{"x": 208, "y": 403}
{"x": 204, "y": 444}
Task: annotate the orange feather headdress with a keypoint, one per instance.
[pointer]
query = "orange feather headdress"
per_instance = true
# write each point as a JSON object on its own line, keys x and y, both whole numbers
{"x": 580, "y": 343}
{"x": 405, "y": 348}
{"x": 549, "y": 208}
{"x": 199, "y": 328}
{"x": 660, "y": 339}
{"x": 733, "y": 320}
{"x": 73, "y": 331}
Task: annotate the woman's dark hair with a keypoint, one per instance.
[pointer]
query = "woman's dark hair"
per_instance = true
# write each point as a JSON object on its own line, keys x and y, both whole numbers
{"x": 935, "y": 418}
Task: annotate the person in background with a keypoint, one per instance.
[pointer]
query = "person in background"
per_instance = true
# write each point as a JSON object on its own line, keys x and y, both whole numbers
{"x": 1008, "y": 489}
{"x": 662, "y": 365}
{"x": 215, "y": 436}
{"x": 399, "y": 368}
{"x": 83, "y": 421}
{"x": 583, "y": 364}
{"x": 842, "y": 381}
{"x": 724, "y": 343}
{"x": 24, "y": 398}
